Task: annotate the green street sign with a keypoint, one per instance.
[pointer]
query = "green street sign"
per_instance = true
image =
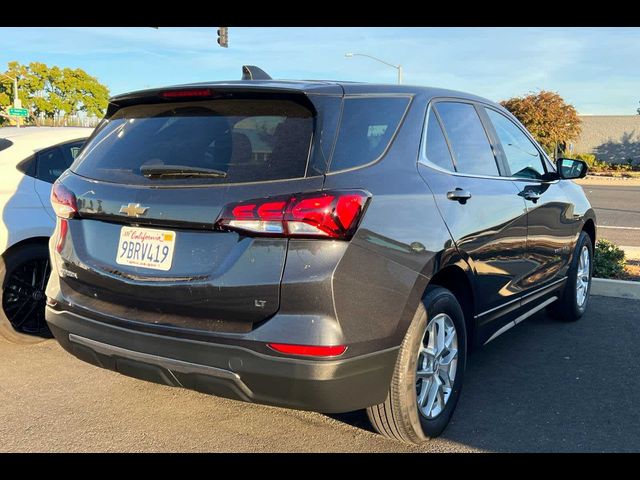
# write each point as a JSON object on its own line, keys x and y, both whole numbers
{"x": 18, "y": 112}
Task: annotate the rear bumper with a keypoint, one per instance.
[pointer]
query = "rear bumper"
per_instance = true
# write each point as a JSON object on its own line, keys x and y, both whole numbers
{"x": 229, "y": 371}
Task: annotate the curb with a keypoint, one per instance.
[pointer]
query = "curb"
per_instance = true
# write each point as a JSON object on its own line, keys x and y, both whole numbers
{"x": 615, "y": 288}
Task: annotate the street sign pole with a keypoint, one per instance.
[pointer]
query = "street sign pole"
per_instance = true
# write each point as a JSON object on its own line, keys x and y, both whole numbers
{"x": 16, "y": 100}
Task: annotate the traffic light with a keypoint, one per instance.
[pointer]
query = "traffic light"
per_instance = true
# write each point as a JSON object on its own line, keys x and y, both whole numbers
{"x": 223, "y": 36}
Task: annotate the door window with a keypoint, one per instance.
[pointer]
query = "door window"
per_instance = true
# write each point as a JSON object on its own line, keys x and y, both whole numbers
{"x": 472, "y": 151}
{"x": 521, "y": 154}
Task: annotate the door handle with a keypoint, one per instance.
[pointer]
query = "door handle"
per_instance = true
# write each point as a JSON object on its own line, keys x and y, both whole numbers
{"x": 531, "y": 195}
{"x": 459, "y": 195}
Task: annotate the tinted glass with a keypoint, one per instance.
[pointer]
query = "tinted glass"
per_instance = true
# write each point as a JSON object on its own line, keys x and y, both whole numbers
{"x": 471, "y": 147}
{"x": 249, "y": 140}
{"x": 436, "y": 149}
{"x": 4, "y": 144}
{"x": 51, "y": 162}
{"x": 366, "y": 129}
{"x": 522, "y": 155}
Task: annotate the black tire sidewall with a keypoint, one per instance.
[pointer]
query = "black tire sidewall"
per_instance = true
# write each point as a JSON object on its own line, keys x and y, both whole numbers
{"x": 570, "y": 301}
{"x": 438, "y": 301}
{"x": 8, "y": 263}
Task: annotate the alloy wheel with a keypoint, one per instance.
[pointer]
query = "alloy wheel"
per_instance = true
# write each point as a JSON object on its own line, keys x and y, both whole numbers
{"x": 437, "y": 364}
{"x": 583, "y": 277}
{"x": 23, "y": 299}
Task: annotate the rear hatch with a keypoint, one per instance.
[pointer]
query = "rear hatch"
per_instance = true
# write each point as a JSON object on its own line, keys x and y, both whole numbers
{"x": 150, "y": 185}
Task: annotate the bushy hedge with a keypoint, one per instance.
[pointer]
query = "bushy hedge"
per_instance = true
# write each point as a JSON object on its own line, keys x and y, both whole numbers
{"x": 608, "y": 261}
{"x": 588, "y": 158}
{"x": 596, "y": 165}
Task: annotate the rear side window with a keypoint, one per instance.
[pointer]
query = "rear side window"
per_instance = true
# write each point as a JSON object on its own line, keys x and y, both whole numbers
{"x": 51, "y": 162}
{"x": 471, "y": 148}
{"x": 436, "y": 148}
{"x": 367, "y": 127}
{"x": 246, "y": 139}
{"x": 5, "y": 143}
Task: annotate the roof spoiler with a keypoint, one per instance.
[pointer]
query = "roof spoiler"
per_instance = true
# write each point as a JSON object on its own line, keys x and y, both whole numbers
{"x": 251, "y": 72}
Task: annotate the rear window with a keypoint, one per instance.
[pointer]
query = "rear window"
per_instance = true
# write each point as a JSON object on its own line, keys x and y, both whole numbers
{"x": 247, "y": 139}
{"x": 367, "y": 127}
{"x": 4, "y": 144}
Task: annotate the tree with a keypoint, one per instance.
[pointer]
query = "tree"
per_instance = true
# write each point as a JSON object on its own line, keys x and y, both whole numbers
{"x": 547, "y": 116}
{"x": 54, "y": 91}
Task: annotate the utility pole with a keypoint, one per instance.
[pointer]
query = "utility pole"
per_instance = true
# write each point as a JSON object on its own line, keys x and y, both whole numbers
{"x": 16, "y": 100}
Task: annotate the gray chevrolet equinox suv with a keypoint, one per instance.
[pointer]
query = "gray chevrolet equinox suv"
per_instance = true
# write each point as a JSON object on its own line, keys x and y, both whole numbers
{"x": 318, "y": 245}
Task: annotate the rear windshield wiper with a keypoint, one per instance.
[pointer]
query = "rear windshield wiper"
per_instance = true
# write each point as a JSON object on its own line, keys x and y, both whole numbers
{"x": 177, "y": 171}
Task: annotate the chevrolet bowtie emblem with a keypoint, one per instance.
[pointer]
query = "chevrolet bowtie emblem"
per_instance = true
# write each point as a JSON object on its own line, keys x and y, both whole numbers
{"x": 133, "y": 210}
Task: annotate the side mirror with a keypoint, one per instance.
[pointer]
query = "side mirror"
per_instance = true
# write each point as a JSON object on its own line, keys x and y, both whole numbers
{"x": 569, "y": 168}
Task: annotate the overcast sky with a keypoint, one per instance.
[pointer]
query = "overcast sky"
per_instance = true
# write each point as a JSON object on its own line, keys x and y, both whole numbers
{"x": 595, "y": 69}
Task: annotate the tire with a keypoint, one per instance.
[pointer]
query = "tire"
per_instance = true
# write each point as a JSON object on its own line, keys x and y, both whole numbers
{"x": 399, "y": 417}
{"x": 17, "y": 324}
{"x": 568, "y": 307}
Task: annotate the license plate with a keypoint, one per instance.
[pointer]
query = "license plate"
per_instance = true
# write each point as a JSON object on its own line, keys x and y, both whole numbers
{"x": 146, "y": 247}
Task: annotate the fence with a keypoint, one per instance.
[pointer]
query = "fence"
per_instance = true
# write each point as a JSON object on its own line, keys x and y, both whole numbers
{"x": 66, "y": 121}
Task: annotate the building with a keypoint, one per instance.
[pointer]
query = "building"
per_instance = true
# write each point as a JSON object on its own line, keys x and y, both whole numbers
{"x": 611, "y": 138}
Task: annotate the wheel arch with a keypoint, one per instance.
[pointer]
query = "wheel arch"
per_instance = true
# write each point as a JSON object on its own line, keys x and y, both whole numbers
{"x": 458, "y": 279}
{"x": 590, "y": 228}
{"x": 40, "y": 240}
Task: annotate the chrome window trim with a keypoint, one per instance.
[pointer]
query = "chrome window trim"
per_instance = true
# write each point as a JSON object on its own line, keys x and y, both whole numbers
{"x": 423, "y": 160}
{"x": 423, "y": 141}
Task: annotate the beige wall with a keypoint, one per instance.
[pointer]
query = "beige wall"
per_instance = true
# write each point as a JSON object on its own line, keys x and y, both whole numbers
{"x": 612, "y": 138}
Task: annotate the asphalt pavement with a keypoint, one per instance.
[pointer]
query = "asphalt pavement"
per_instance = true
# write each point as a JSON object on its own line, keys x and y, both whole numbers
{"x": 617, "y": 210}
{"x": 543, "y": 386}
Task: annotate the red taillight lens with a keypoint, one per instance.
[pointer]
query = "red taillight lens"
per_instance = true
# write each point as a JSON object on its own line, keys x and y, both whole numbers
{"x": 63, "y": 201}
{"x": 196, "y": 92}
{"x": 323, "y": 214}
{"x": 62, "y": 234}
{"x": 309, "y": 350}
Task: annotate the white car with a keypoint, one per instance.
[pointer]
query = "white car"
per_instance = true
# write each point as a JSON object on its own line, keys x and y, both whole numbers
{"x": 31, "y": 159}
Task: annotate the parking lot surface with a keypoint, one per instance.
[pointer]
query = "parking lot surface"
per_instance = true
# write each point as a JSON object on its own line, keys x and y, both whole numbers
{"x": 617, "y": 207}
{"x": 543, "y": 386}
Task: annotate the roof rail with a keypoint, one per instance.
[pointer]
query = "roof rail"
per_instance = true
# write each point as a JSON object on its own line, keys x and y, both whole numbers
{"x": 251, "y": 72}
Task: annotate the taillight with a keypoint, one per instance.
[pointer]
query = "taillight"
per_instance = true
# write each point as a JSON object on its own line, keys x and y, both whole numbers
{"x": 332, "y": 214}
{"x": 63, "y": 201}
{"x": 309, "y": 350}
{"x": 63, "y": 228}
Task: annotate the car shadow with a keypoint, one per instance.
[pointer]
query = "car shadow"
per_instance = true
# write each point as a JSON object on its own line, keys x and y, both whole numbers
{"x": 552, "y": 386}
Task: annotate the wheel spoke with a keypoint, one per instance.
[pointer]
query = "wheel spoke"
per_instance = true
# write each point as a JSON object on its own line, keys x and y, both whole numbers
{"x": 43, "y": 284}
{"x": 444, "y": 377}
{"x": 433, "y": 393}
{"x": 425, "y": 386}
{"x": 19, "y": 293}
{"x": 15, "y": 279}
{"x": 16, "y": 304}
{"x": 25, "y": 317}
{"x": 440, "y": 345}
{"x": 448, "y": 358}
